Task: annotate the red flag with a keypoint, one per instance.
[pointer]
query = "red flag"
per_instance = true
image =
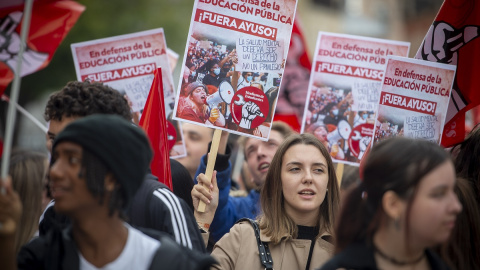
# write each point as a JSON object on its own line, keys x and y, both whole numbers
{"x": 154, "y": 122}
{"x": 50, "y": 22}
{"x": 294, "y": 87}
{"x": 452, "y": 39}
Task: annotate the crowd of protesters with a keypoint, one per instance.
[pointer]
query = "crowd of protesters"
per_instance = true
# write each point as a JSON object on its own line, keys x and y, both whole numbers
{"x": 387, "y": 129}
{"x": 411, "y": 205}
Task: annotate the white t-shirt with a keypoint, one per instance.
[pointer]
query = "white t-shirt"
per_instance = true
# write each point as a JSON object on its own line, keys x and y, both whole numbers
{"x": 137, "y": 253}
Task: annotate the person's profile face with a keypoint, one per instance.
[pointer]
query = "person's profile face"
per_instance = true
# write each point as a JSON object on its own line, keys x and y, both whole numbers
{"x": 259, "y": 155}
{"x": 67, "y": 187}
{"x": 435, "y": 207}
{"x": 198, "y": 95}
{"x": 54, "y": 127}
{"x": 321, "y": 133}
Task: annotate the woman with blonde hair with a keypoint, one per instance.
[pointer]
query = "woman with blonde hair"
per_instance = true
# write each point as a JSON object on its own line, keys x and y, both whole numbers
{"x": 28, "y": 171}
{"x": 299, "y": 201}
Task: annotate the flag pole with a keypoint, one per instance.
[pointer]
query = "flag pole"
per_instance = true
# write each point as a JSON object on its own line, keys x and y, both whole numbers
{"x": 27, "y": 114}
{"x": 27, "y": 12}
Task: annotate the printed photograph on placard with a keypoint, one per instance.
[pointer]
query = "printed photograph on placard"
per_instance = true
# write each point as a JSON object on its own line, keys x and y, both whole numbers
{"x": 233, "y": 65}
{"x": 343, "y": 92}
{"x": 126, "y": 63}
{"x": 414, "y": 99}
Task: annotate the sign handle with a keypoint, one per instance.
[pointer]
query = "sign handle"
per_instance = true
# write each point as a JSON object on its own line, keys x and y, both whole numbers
{"x": 212, "y": 157}
{"x": 339, "y": 173}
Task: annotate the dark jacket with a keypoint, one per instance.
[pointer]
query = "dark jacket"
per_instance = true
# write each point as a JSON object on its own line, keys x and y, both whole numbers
{"x": 360, "y": 256}
{"x": 155, "y": 207}
{"x": 57, "y": 251}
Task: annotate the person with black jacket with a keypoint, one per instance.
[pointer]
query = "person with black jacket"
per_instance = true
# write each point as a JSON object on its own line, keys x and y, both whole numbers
{"x": 94, "y": 160}
{"x": 163, "y": 211}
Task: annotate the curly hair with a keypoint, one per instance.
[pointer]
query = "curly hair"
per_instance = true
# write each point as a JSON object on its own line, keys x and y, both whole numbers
{"x": 86, "y": 98}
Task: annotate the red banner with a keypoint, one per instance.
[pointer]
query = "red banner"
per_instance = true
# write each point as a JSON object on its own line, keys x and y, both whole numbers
{"x": 453, "y": 39}
{"x": 50, "y": 23}
{"x": 154, "y": 123}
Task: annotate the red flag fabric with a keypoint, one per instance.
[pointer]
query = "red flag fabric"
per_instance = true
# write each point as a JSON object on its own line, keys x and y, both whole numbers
{"x": 154, "y": 122}
{"x": 453, "y": 39}
{"x": 290, "y": 119}
{"x": 294, "y": 87}
{"x": 50, "y": 22}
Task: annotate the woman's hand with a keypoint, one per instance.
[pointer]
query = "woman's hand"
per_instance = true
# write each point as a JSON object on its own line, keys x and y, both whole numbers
{"x": 208, "y": 195}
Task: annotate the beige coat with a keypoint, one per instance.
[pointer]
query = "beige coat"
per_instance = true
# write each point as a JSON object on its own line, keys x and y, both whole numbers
{"x": 238, "y": 249}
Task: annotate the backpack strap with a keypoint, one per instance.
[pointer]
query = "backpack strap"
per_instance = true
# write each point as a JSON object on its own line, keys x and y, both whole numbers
{"x": 263, "y": 249}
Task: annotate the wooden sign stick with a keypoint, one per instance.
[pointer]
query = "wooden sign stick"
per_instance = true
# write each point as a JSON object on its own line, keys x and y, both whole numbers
{"x": 339, "y": 173}
{"x": 212, "y": 157}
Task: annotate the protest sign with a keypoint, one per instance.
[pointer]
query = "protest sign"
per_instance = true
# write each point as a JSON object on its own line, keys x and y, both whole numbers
{"x": 127, "y": 63}
{"x": 233, "y": 63}
{"x": 414, "y": 99}
{"x": 344, "y": 89}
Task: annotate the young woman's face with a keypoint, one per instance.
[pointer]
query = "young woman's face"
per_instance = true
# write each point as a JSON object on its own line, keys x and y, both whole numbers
{"x": 321, "y": 134}
{"x": 435, "y": 207}
{"x": 304, "y": 179}
{"x": 198, "y": 95}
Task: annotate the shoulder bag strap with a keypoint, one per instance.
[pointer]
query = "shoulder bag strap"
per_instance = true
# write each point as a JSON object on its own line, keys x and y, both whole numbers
{"x": 263, "y": 249}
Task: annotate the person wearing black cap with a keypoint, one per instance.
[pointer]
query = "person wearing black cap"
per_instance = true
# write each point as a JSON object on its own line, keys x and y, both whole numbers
{"x": 194, "y": 107}
{"x": 159, "y": 208}
{"x": 93, "y": 162}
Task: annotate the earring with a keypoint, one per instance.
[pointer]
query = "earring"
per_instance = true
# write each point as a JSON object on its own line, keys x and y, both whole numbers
{"x": 396, "y": 223}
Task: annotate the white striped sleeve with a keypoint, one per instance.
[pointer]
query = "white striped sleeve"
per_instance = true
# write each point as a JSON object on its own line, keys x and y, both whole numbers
{"x": 177, "y": 216}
